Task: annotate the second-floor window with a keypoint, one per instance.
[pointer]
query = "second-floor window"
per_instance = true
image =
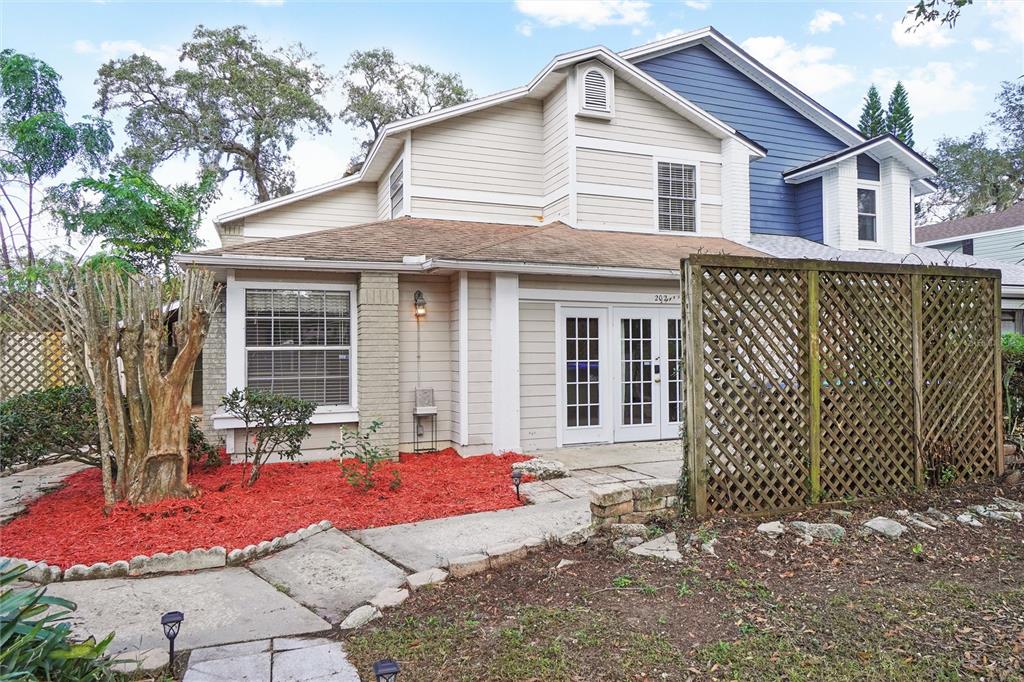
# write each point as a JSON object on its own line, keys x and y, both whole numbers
{"x": 677, "y": 197}
{"x": 396, "y": 191}
{"x": 867, "y": 215}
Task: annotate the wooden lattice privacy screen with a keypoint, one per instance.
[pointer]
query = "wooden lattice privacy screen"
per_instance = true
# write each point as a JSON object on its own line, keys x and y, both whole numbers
{"x": 32, "y": 353}
{"x": 816, "y": 381}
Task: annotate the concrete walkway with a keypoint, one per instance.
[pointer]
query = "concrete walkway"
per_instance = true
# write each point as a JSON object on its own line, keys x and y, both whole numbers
{"x": 17, "y": 490}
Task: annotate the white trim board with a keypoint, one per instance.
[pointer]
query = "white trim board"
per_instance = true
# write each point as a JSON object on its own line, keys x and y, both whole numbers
{"x": 464, "y": 358}
{"x": 505, "y": 408}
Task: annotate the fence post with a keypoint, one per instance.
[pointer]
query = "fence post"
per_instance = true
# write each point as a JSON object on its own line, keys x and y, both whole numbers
{"x": 997, "y": 302}
{"x": 917, "y": 345}
{"x": 697, "y": 446}
{"x": 814, "y": 382}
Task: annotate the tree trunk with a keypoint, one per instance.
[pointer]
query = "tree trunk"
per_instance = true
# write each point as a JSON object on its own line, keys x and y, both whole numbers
{"x": 163, "y": 469}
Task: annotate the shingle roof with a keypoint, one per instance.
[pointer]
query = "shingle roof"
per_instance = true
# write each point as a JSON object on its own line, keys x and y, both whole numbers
{"x": 552, "y": 244}
{"x": 963, "y": 227}
{"x": 797, "y": 247}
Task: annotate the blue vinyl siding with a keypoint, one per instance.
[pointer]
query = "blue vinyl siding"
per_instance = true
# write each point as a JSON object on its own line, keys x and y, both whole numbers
{"x": 867, "y": 168}
{"x": 809, "y": 216}
{"x": 708, "y": 81}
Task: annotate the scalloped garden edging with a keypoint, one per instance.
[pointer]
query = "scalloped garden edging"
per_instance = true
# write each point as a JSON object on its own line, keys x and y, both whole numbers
{"x": 180, "y": 561}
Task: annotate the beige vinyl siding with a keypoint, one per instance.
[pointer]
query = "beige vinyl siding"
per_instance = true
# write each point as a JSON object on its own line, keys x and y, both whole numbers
{"x": 556, "y": 146}
{"x": 557, "y": 210}
{"x": 453, "y": 354}
{"x": 479, "y": 359}
{"x": 384, "y": 190}
{"x": 537, "y": 375}
{"x": 643, "y": 288}
{"x": 433, "y": 367}
{"x": 615, "y": 212}
{"x": 350, "y": 205}
{"x": 475, "y": 210}
{"x": 710, "y": 179}
{"x": 499, "y": 149}
{"x": 615, "y": 168}
{"x": 710, "y": 219}
{"x": 640, "y": 119}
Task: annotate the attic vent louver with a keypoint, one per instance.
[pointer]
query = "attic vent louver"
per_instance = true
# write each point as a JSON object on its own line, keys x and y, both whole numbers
{"x": 595, "y": 90}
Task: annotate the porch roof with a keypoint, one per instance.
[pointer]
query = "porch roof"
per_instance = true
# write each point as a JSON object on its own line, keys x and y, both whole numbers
{"x": 411, "y": 240}
{"x": 797, "y": 247}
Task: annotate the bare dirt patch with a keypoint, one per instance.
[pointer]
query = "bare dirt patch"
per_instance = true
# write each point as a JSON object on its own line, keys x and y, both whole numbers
{"x": 945, "y": 604}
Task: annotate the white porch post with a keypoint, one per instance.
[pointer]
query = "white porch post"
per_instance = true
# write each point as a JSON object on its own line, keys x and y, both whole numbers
{"x": 505, "y": 361}
{"x": 234, "y": 344}
{"x": 463, "y": 358}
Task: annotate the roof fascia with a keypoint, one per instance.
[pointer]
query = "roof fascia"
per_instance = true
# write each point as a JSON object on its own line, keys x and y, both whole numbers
{"x": 909, "y": 159}
{"x": 739, "y": 58}
{"x": 290, "y": 263}
{"x": 552, "y": 269}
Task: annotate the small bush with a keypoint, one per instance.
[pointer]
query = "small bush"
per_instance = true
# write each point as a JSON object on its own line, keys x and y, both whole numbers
{"x": 35, "y": 641}
{"x": 360, "y": 458}
{"x": 1013, "y": 385}
{"x": 273, "y": 423}
{"x": 49, "y": 425}
{"x": 200, "y": 451}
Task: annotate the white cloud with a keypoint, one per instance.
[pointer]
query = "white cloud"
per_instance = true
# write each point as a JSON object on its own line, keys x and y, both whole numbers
{"x": 525, "y": 28}
{"x": 114, "y": 49}
{"x": 824, "y": 20}
{"x": 809, "y": 67}
{"x": 585, "y": 14}
{"x": 698, "y": 4}
{"x": 931, "y": 34}
{"x": 981, "y": 44}
{"x": 1007, "y": 17}
{"x": 933, "y": 89}
{"x": 669, "y": 34}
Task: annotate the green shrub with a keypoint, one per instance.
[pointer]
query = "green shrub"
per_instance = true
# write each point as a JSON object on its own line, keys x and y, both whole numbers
{"x": 35, "y": 641}
{"x": 49, "y": 425}
{"x": 1013, "y": 386}
{"x": 273, "y": 423}
{"x": 360, "y": 457}
{"x": 200, "y": 450}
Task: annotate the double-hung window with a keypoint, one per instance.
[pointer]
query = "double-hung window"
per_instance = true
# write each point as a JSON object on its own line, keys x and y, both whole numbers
{"x": 677, "y": 197}
{"x": 396, "y": 190}
{"x": 867, "y": 215}
{"x": 298, "y": 342}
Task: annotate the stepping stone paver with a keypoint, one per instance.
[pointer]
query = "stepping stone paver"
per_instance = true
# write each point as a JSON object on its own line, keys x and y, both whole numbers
{"x": 427, "y": 544}
{"x": 247, "y": 668}
{"x": 593, "y": 478}
{"x": 621, "y": 473}
{"x": 324, "y": 662}
{"x": 222, "y": 606}
{"x": 664, "y": 547}
{"x": 541, "y": 492}
{"x": 330, "y": 573}
{"x": 573, "y": 487}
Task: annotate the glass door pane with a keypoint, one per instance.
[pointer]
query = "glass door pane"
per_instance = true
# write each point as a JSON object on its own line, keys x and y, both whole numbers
{"x": 637, "y": 371}
{"x": 582, "y": 372}
{"x": 675, "y": 371}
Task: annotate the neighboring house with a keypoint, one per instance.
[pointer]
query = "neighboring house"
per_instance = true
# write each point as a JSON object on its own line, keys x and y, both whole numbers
{"x": 995, "y": 236}
{"x": 518, "y": 255}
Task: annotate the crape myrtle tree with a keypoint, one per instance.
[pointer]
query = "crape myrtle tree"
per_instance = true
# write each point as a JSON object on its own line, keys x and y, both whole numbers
{"x": 36, "y": 143}
{"x": 232, "y": 103}
{"x": 135, "y": 339}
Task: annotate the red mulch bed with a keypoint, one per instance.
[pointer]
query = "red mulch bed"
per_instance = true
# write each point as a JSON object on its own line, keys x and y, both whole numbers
{"x": 68, "y": 527}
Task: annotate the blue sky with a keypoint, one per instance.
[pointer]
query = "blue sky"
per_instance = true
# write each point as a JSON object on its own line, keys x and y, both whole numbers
{"x": 832, "y": 50}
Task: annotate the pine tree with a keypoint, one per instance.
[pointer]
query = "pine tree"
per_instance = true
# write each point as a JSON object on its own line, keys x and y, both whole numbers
{"x": 898, "y": 119}
{"x": 872, "y": 117}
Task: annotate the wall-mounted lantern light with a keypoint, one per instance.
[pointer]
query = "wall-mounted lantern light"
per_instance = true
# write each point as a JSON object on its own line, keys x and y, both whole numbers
{"x": 420, "y": 304}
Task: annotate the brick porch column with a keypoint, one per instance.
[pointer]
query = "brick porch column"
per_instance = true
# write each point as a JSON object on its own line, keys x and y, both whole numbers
{"x": 377, "y": 355}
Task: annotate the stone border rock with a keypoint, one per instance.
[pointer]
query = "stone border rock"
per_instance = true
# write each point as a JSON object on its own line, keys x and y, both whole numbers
{"x": 180, "y": 561}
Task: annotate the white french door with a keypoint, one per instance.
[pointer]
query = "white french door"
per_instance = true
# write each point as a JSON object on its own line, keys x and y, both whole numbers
{"x": 620, "y": 378}
{"x": 585, "y": 375}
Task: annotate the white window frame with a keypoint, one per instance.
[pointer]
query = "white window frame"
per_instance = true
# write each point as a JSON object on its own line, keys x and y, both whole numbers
{"x": 697, "y": 194}
{"x": 236, "y": 355}
{"x": 609, "y": 80}
{"x": 398, "y": 165}
{"x": 875, "y": 187}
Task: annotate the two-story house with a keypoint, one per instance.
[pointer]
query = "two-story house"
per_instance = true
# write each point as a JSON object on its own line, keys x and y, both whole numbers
{"x": 517, "y": 256}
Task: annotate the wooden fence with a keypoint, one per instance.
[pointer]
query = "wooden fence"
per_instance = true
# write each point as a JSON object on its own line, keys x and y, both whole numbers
{"x": 817, "y": 381}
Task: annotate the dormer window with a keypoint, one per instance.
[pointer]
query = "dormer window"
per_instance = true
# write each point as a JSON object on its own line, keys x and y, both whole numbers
{"x": 597, "y": 90}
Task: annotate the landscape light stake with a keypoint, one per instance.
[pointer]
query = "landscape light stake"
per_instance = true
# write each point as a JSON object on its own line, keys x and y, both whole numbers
{"x": 172, "y": 623}
{"x": 386, "y": 670}
{"x": 517, "y": 478}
